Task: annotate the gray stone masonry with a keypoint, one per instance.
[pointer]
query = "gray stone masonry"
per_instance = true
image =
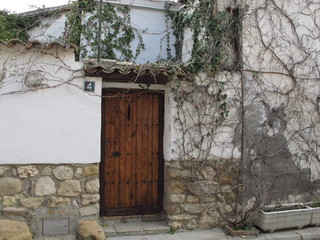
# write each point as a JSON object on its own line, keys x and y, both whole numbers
{"x": 31, "y": 193}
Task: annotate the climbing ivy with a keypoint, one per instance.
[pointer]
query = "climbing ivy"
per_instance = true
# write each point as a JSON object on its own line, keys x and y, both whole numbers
{"x": 16, "y": 25}
{"x": 215, "y": 36}
{"x": 117, "y": 33}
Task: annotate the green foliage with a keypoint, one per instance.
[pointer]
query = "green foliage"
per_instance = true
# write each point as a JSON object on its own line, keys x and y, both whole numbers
{"x": 215, "y": 35}
{"x": 16, "y": 25}
{"x": 117, "y": 33}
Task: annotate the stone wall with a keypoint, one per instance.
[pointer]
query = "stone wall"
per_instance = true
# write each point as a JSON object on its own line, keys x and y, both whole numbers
{"x": 199, "y": 194}
{"x": 31, "y": 193}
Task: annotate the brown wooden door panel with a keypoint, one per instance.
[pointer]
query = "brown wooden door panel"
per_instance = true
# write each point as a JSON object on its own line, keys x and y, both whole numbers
{"x": 132, "y": 161}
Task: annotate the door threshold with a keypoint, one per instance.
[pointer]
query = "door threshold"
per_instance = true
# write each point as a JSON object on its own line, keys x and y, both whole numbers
{"x": 133, "y": 218}
{"x": 133, "y": 228}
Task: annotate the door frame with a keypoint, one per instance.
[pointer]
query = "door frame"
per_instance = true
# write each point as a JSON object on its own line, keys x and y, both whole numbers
{"x": 125, "y": 211}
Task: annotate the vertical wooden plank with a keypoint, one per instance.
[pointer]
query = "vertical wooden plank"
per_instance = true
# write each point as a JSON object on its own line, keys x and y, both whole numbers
{"x": 133, "y": 137}
{"x": 155, "y": 147}
{"x": 102, "y": 172}
{"x": 149, "y": 152}
{"x": 109, "y": 130}
{"x": 145, "y": 139}
{"x": 122, "y": 151}
{"x": 138, "y": 174}
{"x": 127, "y": 153}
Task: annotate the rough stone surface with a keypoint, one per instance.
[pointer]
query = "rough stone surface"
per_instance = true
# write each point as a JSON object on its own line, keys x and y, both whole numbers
{"x": 14, "y": 172}
{"x": 3, "y": 170}
{"x": 197, "y": 192}
{"x": 27, "y": 171}
{"x": 78, "y": 173}
{"x": 224, "y": 208}
{"x": 15, "y": 211}
{"x": 173, "y": 209}
{"x": 46, "y": 171}
{"x": 193, "y": 208}
{"x": 175, "y": 225}
{"x": 208, "y": 220}
{"x": 90, "y": 171}
{"x": 59, "y": 202}
{"x": 31, "y": 203}
{"x": 177, "y": 198}
{"x": 192, "y": 199}
{"x": 14, "y": 230}
{"x": 63, "y": 173}
{"x": 93, "y": 186}
{"x": 180, "y": 217}
{"x": 45, "y": 186}
{"x": 91, "y": 210}
{"x": 70, "y": 188}
{"x": 176, "y": 187}
{"x": 86, "y": 198}
{"x": 8, "y": 201}
{"x": 10, "y": 186}
{"x": 90, "y": 230}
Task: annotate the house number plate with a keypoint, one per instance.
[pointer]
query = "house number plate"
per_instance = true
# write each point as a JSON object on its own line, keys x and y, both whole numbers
{"x": 89, "y": 86}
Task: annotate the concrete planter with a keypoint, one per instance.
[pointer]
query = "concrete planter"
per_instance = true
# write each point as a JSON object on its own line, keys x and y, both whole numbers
{"x": 315, "y": 218}
{"x": 276, "y": 220}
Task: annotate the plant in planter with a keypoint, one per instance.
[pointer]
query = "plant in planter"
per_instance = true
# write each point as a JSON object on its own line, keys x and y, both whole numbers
{"x": 276, "y": 217}
{"x": 245, "y": 229}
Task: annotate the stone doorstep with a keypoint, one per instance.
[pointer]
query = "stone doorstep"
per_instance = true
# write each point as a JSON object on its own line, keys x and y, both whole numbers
{"x": 135, "y": 228}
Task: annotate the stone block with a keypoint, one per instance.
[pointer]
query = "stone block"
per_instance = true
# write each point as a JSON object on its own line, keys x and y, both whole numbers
{"x": 176, "y": 187}
{"x": 8, "y": 201}
{"x": 193, "y": 207}
{"x": 70, "y": 188}
{"x": 78, "y": 173}
{"x": 90, "y": 230}
{"x": 177, "y": 173}
{"x": 15, "y": 211}
{"x": 59, "y": 202}
{"x": 224, "y": 208}
{"x": 46, "y": 171}
{"x": 86, "y": 198}
{"x": 27, "y": 171}
{"x": 192, "y": 199}
{"x": 173, "y": 209}
{"x": 45, "y": 186}
{"x": 3, "y": 170}
{"x": 208, "y": 173}
{"x": 10, "y": 186}
{"x": 14, "y": 230}
{"x": 93, "y": 186}
{"x": 209, "y": 220}
{"x": 90, "y": 171}
{"x": 175, "y": 225}
{"x": 177, "y": 198}
{"x": 63, "y": 173}
{"x": 31, "y": 203}
{"x": 91, "y": 210}
{"x": 181, "y": 217}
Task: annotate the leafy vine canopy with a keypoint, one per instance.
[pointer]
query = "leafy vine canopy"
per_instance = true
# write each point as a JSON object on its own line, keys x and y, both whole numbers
{"x": 129, "y": 31}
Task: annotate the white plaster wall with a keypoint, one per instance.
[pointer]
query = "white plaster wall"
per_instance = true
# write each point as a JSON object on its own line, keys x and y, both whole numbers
{"x": 57, "y": 123}
{"x": 150, "y": 24}
{"x": 147, "y": 18}
{"x": 50, "y": 29}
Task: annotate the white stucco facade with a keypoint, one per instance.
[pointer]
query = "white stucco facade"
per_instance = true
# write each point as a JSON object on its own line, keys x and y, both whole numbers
{"x": 147, "y": 18}
{"x": 57, "y": 122}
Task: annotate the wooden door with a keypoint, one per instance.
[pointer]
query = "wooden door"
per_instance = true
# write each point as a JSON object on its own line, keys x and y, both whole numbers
{"x": 132, "y": 160}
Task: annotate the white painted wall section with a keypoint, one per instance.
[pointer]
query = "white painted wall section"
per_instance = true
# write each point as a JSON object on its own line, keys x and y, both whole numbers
{"x": 59, "y": 123}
